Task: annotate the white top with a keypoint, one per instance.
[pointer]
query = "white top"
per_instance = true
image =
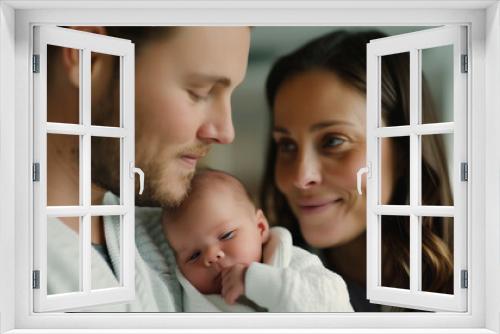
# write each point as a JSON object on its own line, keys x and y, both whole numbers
{"x": 290, "y": 279}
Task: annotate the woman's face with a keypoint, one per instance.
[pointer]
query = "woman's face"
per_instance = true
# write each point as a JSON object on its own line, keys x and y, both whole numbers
{"x": 321, "y": 143}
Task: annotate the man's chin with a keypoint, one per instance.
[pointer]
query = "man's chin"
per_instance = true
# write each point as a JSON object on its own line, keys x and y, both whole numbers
{"x": 173, "y": 193}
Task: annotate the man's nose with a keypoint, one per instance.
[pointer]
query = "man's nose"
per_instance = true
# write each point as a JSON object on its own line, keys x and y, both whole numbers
{"x": 213, "y": 254}
{"x": 218, "y": 125}
{"x": 307, "y": 170}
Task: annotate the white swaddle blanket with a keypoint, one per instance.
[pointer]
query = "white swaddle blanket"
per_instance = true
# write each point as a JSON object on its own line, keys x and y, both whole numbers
{"x": 290, "y": 279}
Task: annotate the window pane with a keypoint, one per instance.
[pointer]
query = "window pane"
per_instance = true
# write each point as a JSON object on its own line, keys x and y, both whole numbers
{"x": 437, "y": 84}
{"x": 106, "y": 157}
{"x": 106, "y": 92}
{"x": 63, "y": 108}
{"x": 437, "y": 254}
{"x": 395, "y": 170}
{"x": 437, "y": 163}
{"x": 395, "y": 251}
{"x": 395, "y": 86}
{"x": 63, "y": 251}
{"x": 63, "y": 148}
{"x": 106, "y": 252}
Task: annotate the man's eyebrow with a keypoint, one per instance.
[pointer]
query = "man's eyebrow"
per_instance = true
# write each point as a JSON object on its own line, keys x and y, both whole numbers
{"x": 222, "y": 80}
{"x": 315, "y": 127}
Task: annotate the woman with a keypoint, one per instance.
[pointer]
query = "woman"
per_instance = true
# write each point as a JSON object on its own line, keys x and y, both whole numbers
{"x": 317, "y": 98}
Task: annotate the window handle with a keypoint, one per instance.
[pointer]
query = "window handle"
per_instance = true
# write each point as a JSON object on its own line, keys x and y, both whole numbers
{"x": 135, "y": 170}
{"x": 364, "y": 170}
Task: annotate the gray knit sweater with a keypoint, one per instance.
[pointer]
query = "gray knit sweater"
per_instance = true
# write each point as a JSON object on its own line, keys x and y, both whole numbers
{"x": 156, "y": 286}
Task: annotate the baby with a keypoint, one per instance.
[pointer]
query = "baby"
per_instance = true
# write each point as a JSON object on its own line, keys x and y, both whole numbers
{"x": 229, "y": 260}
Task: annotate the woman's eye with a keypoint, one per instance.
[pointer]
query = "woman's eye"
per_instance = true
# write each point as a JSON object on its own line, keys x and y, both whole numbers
{"x": 286, "y": 146}
{"x": 332, "y": 141}
{"x": 227, "y": 235}
{"x": 194, "y": 256}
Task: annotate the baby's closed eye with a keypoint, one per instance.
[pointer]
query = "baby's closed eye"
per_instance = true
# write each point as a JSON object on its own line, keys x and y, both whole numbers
{"x": 227, "y": 235}
{"x": 194, "y": 256}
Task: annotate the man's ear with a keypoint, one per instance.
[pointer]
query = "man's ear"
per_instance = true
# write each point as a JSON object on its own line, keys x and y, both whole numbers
{"x": 71, "y": 57}
{"x": 263, "y": 225}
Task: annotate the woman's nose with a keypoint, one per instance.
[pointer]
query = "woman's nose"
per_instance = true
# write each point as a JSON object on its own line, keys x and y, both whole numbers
{"x": 307, "y": 171}
{"x": 218, "y": 125}
{"x": 213, "y": 255}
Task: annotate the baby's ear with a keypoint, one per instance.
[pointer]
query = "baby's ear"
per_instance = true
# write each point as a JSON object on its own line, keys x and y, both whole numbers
{"x": 263, "y": 225}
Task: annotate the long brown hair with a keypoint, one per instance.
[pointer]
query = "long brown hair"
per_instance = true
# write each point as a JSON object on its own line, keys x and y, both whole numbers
{"x": 344, "y": 54}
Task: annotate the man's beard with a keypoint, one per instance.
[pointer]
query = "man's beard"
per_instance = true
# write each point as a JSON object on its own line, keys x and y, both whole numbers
{"x": 164, "y": 184}
{"x": 164, "y": 187}
{"x": 167, "y": 183}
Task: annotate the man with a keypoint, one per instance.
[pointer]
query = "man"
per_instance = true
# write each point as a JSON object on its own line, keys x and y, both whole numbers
{"x": 184, "y": 80}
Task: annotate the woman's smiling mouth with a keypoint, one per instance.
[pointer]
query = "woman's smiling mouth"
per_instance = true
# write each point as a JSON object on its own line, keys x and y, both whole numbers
{"x": 316, "y": 206}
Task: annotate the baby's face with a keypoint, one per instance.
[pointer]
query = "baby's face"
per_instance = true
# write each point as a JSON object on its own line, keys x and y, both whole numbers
{"x": 215, "y": 232}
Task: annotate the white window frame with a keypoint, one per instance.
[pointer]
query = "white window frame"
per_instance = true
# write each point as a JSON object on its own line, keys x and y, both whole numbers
{"x": 483, "y": 17}
{"x": 85, "y": 43}
{"x": 413, "y": 44}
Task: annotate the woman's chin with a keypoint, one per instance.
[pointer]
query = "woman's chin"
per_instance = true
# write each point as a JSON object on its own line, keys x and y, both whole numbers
{"x": 321, "y": 233}
{"x": 321, "y": 219}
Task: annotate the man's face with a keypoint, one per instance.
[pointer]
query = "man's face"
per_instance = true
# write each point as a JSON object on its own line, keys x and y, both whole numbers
{"x": 183, "y": 89}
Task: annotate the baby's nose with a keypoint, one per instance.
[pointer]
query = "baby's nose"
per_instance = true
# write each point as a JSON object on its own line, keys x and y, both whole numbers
{"x": 213, "y": 256}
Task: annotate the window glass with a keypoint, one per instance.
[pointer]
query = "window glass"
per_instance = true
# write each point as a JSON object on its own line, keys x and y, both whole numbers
{"x": 64, "y": 109}
{"x": 395, "y": 251}
{"x": 437, "y": 87}
{"x": 107, "y": 251}
{"x": 394, "y": 67}
{"x": 105, "y": 167}
{"x": 106, "y": 101}
{"x": 395, "y": 170}
{"x": 69, "y": 281}
{"x": 440, "y": 236}
{"x": 60, "y": 146}
{"x": 436, "y": 170}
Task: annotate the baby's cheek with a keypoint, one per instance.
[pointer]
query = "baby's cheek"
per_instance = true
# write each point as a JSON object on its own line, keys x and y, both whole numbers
{"x": 200, "y": 280}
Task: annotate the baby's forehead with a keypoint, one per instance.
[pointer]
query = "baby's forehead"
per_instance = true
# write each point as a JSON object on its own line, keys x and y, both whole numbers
{"x": 208, "y": 211}
{"x": 209, "y": 191}
{"x": 208, "y": 179}
{"x": 216, "y": 185}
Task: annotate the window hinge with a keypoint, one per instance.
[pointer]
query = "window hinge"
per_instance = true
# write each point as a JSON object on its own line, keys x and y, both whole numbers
{"x": 36, "y": 172}
{"x": 464, "y": 279}
{"x": 465, "y": 64}
{"x": 36, "y": 63}
{"x": 464, "y": 171}
{"x": 36, "y": 279}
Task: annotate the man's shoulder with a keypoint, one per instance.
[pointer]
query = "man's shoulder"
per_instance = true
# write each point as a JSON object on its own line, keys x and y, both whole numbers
{"x": 148, "y": 214}
{"x": 143, "y": 214}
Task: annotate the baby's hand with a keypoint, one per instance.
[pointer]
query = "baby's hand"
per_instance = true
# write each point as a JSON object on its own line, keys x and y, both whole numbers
{"x": 233, "y": 282}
